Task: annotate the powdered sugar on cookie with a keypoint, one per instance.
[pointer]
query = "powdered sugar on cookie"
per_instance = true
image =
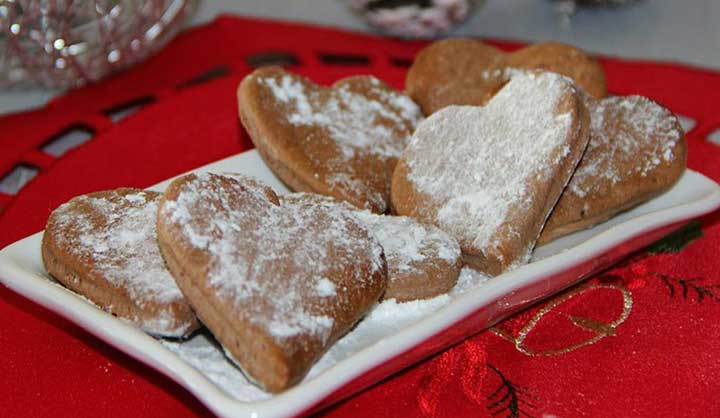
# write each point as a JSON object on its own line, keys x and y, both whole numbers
{"x": 489, "y": 155}
{"x": 357, "y": 122}
{"x": 629, "y": 135}
{"x": 412, "y": 250}
{"x": 116, "y": 235}
{"x": 502, "y": 74}
{"x": 278, "y": 266}
{"x": 324, "y": 287}
{"x": 351, "y": 134}
{"x": 407, "y": 242}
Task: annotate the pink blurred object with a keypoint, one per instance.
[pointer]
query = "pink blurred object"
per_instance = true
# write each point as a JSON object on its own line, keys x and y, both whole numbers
{"x": 414, "y": 18}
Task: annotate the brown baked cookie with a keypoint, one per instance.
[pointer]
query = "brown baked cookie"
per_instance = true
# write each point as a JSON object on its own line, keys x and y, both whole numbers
{"x": 469, "y": 72}
{"x": 341, "y": 141}
{"x": 276, "y": 285}
{"x": 422, "y": 261}
{"x": 104, "y": 246}
{"x": 637, "y": 150}
{"x": 489, "y": 176}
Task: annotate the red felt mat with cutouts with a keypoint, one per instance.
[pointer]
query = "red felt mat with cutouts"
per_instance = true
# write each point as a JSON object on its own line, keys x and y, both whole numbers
{"x": 640, "y": 340}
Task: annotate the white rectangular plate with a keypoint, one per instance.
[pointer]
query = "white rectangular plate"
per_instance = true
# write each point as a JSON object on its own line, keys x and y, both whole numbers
{"x": 388, "y": 339}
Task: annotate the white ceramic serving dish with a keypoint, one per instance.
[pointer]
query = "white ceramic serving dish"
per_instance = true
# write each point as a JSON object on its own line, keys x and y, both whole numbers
{"x": 389, "y": 339}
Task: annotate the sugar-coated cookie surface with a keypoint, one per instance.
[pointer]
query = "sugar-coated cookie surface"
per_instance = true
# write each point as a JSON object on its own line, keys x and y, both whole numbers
{"x": 637, "y": 150}
{"x": 104, "y": 246}
{"x": 422, "y": 261}
{"x": 276, "y": 285}
{"x": 490, "y": 175}
{"x": 341, "y": 141}
{"x": 469, "y": 72}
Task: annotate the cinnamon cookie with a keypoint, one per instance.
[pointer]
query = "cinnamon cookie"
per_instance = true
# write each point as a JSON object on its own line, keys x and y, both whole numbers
{"x": 276, "y": 285}
{"x": 489, "y": 176}
{"x": 637, "y": 150}
{"x": 469, "y": 72}
{"x": 341, "y": 141}
{"x": 104, "y": 246}
{"x": 422, "y": 261}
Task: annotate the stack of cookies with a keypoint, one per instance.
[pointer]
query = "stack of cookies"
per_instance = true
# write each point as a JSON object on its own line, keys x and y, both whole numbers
{"x": 485, "y": 156}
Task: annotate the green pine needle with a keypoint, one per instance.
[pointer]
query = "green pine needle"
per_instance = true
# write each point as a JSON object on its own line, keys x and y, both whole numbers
{"x": 677, "y": 240}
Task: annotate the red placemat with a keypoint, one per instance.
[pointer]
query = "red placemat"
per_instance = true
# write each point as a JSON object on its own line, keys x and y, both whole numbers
{"x": 639, "y": 340}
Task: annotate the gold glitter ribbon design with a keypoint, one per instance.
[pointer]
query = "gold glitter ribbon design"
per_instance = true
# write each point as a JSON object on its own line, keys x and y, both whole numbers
{"x": 598, "y": 328}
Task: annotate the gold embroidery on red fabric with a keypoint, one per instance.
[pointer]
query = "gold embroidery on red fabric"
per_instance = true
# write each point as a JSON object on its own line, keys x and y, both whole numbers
{"x": 598, "y": 328}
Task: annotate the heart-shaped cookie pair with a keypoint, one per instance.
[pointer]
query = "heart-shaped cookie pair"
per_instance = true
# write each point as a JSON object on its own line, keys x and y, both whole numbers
{"x": 104, "y": 246}
{"x": 422, "y": 261}
{"x": 275, "y": 284}
{"x": 469, "y": 72}
{"x": 342, "y": 141}
{"x": 637, "y": 150}
{"x": 490, "y": 175}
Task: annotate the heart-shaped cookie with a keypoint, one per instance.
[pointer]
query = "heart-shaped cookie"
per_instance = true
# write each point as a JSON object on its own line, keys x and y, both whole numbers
{"x": 342, "y": 141}
{"x": 637, "y": 150}
{"x": 422, "y": 261}
{"x": 469, "y": 72}
{"x": 104, "y": 246}
{"x": 276, "y": 285}
{"x": 490, "y": 175}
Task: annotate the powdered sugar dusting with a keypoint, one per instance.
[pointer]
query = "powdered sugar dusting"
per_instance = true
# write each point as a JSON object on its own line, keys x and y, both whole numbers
{"x": 629, "y": 136}
{"x": 469, "y": 279}
{"x": 204, "y": 354}
{"x": 385, "y": 319}
{"x": 355, "y": 121}
{"x": 492, "y": 74}
{"x": 502, "y": 74}
{"x": 488, "y": 156}
{"x": 117, "y": 234}
{"x": 324, "y": 287}
{"x": 354, "y": 186}
{"x": 363, "y": 118}
{"x": 267, "y": 259}
{"x": 407, "y": 242}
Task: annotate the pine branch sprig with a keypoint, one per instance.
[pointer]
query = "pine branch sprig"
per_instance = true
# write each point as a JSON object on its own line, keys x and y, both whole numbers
{"x": 687, "y": 287}
{"x": 511, "y": 400}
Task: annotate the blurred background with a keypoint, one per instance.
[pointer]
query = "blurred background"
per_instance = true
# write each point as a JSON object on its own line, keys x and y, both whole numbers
{"x": 687, "y": 30}
{"x": 684, "y": 31}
